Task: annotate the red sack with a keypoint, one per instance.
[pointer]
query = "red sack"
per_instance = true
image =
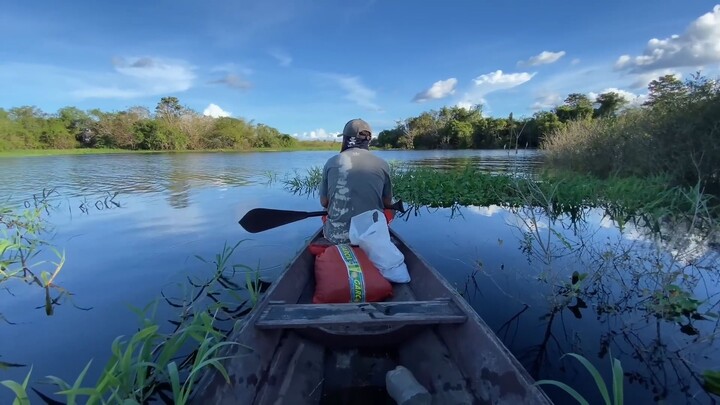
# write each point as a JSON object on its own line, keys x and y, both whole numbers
{"x": 345, "y": 274}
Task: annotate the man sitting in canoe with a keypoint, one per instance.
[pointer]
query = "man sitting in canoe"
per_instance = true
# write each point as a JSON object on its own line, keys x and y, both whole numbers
{"x": 353, "y": 181}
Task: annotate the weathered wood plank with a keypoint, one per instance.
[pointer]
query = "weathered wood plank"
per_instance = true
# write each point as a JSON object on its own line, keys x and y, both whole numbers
{"x": 300, "y": 372}
{"x": 427, "y": 357}
{"x": 365, "y": 314}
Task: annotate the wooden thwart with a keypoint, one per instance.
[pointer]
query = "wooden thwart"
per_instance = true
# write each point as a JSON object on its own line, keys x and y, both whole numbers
{"x": 294, "y": 316}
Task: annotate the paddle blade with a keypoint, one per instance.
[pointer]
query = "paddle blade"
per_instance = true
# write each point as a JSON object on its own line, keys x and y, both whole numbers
{"x": 262, "y": 219}
{"x": 398, "y": 206}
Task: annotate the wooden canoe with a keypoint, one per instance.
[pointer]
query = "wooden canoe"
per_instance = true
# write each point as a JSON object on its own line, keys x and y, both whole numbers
{"x": 296, "y": 352}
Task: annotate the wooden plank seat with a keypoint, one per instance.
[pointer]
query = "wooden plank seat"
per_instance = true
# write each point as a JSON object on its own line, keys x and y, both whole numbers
{"x": 298, "y": 316}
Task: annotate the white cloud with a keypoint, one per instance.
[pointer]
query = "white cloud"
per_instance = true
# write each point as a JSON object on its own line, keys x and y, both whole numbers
{"x": 547, "y": 101}
{"x": 468, "y": 105}
{"x": 140, "y": 77}
{"x": 282, "y": 57}
{"x": 575, "y": 61}
{"x": 213, "y": 110}
{"x": 487, "y": 211}
{"x": 319, "y": 134}
{"x": 357, "y": 92}
{"x": 439, "y": 89}
{"x": 698, "y": 45}
{"x": 643, "y": 79}
{"x": 498, "y": 80}
{"x": 494, "y": 81}
{"x": 543, "y": 58}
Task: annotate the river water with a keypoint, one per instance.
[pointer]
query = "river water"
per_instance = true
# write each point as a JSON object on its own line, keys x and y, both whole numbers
{"x": 131, "y": 226}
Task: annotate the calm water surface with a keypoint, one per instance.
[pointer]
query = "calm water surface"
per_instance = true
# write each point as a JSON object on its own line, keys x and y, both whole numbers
{"x": 176, "y": 206}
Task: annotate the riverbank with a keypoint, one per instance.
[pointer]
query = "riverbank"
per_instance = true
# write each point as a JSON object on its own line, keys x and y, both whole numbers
{"x": 319, "y": 146}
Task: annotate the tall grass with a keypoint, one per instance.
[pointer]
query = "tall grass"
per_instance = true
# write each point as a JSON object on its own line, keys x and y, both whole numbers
{"x": 676, "y": 134}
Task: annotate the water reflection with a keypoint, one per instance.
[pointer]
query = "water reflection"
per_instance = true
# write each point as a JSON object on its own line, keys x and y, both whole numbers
{"x": 496, "y": 161}
{"x": 649, "y": 299}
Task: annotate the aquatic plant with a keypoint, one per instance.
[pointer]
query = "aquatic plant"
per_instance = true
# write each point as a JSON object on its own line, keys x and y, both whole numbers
{"x": 153, "y": 363}
{"x": 649, "y": 200}
{"x": 617, "y": 382}
{"x": 22, "y": 240}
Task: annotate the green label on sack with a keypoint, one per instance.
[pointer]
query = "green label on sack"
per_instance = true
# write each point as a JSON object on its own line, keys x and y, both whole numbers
{"x": 355, "y": 275}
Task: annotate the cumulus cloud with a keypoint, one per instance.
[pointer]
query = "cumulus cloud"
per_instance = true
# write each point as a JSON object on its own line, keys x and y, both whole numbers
{"x": 213, "y": 110}
{"x": 355, "y": 90}
{"x": 498, "y": 80}
{"x": 643, "y": 79}
{"x": 491, "y": 82}
{"x": 547, "y": 101}
{"x": 632, "y": 98}
{"x": 543, "y": 58}
{"x": 282, "y": 57}
{"x": 439, "y": 89}
{"x": 319, "y": 134}
{"x": 140, "y": 77}
{"x": 698, "y": 45}
{"x": 233, "y": 81}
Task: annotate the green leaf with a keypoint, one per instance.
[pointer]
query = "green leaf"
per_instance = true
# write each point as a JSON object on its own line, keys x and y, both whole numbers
{"x": 595, "y": 374}
{"x": 174, "y": 380}
{"x": 617, "y": 372}
{"x": 20, "y": 390}
{"x": 566, "y": 388}
{"x": 21, "y": 397}
{"x": 712, "y": 381}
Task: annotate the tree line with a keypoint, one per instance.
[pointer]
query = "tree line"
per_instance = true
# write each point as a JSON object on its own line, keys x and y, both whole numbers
{"x": 463, "y": 128}
{"x": 674, "y": 133}
{"x": 170, "y": 127}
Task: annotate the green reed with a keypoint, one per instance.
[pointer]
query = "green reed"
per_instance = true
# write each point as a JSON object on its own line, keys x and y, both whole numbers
{"x": 617, "y": 382}
{"x": 168, "y": 364}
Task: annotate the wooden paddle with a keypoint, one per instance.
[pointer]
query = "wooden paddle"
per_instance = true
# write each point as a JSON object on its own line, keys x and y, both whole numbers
{"x": 261, "y": 219}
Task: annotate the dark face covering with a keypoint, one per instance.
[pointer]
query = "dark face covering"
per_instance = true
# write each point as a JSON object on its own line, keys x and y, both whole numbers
{"x": 361, "y": 142}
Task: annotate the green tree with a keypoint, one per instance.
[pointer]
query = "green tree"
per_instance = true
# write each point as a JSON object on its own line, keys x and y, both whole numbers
{"x": 547, "y": 122}
{"x": 666, "y": 91}
{"x": 609, "y": 104}
{"x": 169, "y": 109}
{"x": 577, "y": 107}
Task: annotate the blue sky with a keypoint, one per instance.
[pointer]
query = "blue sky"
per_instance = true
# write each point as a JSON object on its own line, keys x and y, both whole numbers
{"x": 307, "y": 67}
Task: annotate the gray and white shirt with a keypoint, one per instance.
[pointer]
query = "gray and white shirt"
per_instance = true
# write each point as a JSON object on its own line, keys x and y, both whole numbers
{"x": 354, "y": 181}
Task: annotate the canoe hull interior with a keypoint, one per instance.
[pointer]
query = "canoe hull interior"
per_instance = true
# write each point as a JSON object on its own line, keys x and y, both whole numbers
{"x": 283, "y": 360}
